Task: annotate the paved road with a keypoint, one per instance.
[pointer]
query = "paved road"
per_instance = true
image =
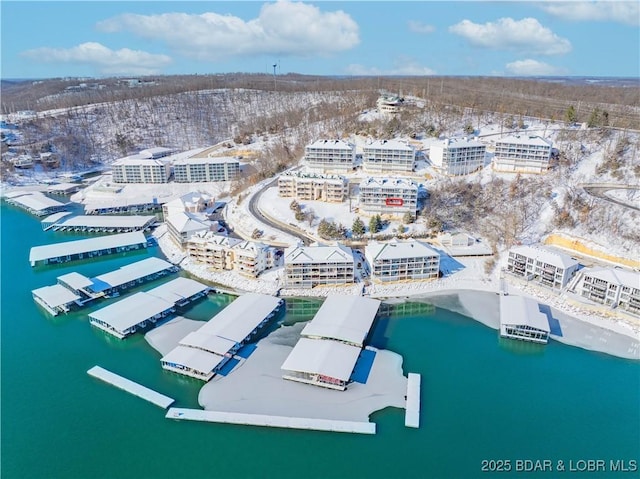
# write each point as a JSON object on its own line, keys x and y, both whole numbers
{"x": 255, "y": 211}
{"x": 600, "y": 191}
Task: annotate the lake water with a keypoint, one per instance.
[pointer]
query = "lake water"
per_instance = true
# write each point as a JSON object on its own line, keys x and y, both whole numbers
{"x": 482, "y": 399}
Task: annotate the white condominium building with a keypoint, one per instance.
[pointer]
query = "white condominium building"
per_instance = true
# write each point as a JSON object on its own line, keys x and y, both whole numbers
{"x": 402, "y": 260}
{"x": 613, "y": 287}
{"x": 313, "y": 186}
{"x": 330, "y": 155}
{"x": 458, "y": 156}
{"x": 134, "y": 169}
{"x": 201, "y": 169}
{"x": 309, "y": 266}
{"x": 388, "y": 196}
{"x": 252, "y": 258}
{"x": 388, "y": 156}
{"x": 186, "y": 216}
{"x": 525, "y": 154}
{"x": 544, "y": 266}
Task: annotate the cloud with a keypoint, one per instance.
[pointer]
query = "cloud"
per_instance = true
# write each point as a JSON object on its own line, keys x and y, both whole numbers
{"x": 621, "y": 12}
{"x": 531, "y": 67}
{"x": 281, "y": 28}
{"x": 404, "y": 66}
{"x": 107, "y": 61}
{"x": 419, "y": 27}
{"x": 509, "y": 34}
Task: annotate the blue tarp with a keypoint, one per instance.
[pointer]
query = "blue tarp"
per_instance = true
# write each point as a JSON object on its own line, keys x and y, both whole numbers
{"x": 363, "y": 366}
{"x": 246, "y": 350}
{"x": 228, "y": 366}
{"x": 99, "y": 285}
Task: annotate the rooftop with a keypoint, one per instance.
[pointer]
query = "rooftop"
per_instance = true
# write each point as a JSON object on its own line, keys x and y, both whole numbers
{"x": 199, "y": 160}
{"x": 389, "y": 145}
{"x": 554, "y": 258}
{"x": 389, "y": 183}
{"x": 336, "y": 144}
{"x": 615, "y": 276}
{"x": 318, "y": 254}
{"x": 525, "y": 140}
{"x": 518, "y": 310}
{"x": 201, "y": 361}
{"x": 56, "y": 295}
{"x": 318, "y": 356}
{"x": 399, "y": 249}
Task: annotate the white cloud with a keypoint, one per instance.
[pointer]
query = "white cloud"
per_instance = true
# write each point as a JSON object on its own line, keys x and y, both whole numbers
{"x": 509, "y": 34}
{"x": 419, "y": 27}
{"x": 531, "y": 67}
{"x": 281, "y": 28}
{"x": 404, "y": 66}
{"x": 107, "y": 61}
{"x": 618, "y": 11}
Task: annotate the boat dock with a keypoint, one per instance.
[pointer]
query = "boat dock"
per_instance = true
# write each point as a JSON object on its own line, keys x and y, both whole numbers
{"x": 97, "y": 224}
{"x": 272, "y": 421}
{"x": 412, "y": 413}
{"x": 35, "y": 202}
{"x": 131, "y": 387}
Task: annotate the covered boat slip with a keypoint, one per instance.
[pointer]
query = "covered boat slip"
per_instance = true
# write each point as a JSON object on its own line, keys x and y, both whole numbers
{"x": 126, "y": 316}
{"x": 35, "y": 202}
{"x": 86, "y": 248}
{"x": 202, "y": 353}
{"x": 343, "y": 318}
{"x": 321, "y": 362}
{"x": 131, "y": 275}
{"x": 55, "y": 299}
{"x": 520, "y": 318}
{"x": 97, "y": 224}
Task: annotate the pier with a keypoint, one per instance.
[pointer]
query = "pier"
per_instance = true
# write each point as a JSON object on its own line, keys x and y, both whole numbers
{"x": 272, "y": 421}
{"x": 412, "y": 412}
{"x": 131, "y": 387}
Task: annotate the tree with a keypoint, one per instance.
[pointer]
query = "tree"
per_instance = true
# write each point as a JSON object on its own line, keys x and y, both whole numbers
{"x": 468, "y": 129}
{"x": 358, "y": 228}
{"x": 570, "y": 115}
{"x": 294, "y": 206}
{"x": 300, "y": 216}
{"x": 310, "y": 216}
{"x": 375, "y": 224}
{"x": 408, "y": 218}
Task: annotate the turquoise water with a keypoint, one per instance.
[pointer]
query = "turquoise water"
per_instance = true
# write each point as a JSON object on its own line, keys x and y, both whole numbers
{"x": 481, "y": 400}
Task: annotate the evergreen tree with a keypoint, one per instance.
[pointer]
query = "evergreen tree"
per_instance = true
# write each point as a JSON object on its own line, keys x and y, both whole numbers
{"x": 570, "y": 115}
{"x": 407, "y": 218}
{"x": 294, "y": 206}
{"x": 358, "y": 228}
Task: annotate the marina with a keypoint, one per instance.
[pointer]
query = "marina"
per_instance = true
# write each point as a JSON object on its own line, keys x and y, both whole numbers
{"x": 412, "y": 412}
{"x": 35, "y": 202}
{"x": 97, "y": 223}
{"x": 272, "y": 421}
{"x": 75, "y": 288}
{"x": 131, "y": 387}
{"x": 86, "y": 248}
{"x": 203, "y": 353}
{"x": 125, "y": 317}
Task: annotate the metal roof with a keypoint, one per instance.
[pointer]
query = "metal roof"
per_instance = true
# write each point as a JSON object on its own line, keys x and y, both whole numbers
{"x": 39, "y": 253}
{"x": 201, "y": 361}
{"x": 131, "y": 311}
{"x": 395, "y": 249}
{"x": 344, "y": 318}
{"x": 56, "y": 295}
{"x": 36, "y": 201}
{"x": 518, "y": 310}
{"x": 103, "y": 221}
{"x": 133, "y": 271}
{"x": 208, "y": 342}
{"x": 75, "y": 280}
{"x": 178, "y": 289}
{"x": 318, "y": 356}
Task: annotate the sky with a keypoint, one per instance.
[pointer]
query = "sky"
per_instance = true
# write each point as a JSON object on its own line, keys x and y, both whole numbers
{"x": 501, "y": 38}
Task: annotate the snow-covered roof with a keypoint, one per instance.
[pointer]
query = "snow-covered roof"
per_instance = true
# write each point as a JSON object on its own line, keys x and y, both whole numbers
{"x": 208, "y": 342}
{"x": 211, "y": 238}
{"x": 133, "y": 271}
{"x": 384, "y": 183}
{"x": 318, "y": 254}
{"x": 518, "y": 310}
{"x": 333, "y": 144}
{"x": 533, "y": 140}
{"x": 395, "y": 249}
{"x": 554, "y": 258}
{"x": 103, "y": 221}
{"x": 202, "y": 361}
{"x": 325, "y": 357}
{"x": 138, "y": 161}
{"x": 458, "y": 143}
{"x": 615, "y": 276}
{"x": 250, "y": 247}
{"x": 343, "y": 318}
{"x": 178, "y": 289}
{"x": 75, "y": 280}
{"x": 39, "y": 253}
{"x": 185, "y": 222}
{"x": 56, "y": 295}
{"x": 131, "y": 311}
{"x": 388, "y": 145}
{"x": 36, "y": 201}
{"x": 307, "y": 175}
{"x": 199, "y": 160}
{"x": 156, "y": 152}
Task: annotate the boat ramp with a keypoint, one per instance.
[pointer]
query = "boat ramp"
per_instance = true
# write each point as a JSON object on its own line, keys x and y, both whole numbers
{"x": 131, "y": 387}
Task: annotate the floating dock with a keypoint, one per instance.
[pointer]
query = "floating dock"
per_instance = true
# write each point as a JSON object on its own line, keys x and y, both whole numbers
{"x": 412, "y": 413}
{"x": 131, "y": 387}
{"x": 272, "y": 421}
{"x": 97, "y": 224}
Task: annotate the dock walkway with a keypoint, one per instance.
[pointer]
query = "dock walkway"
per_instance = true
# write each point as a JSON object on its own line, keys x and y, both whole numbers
{"x": 272, "y": 421}
{"x": 412, "y": 413}
{"x": 131, "y": 387}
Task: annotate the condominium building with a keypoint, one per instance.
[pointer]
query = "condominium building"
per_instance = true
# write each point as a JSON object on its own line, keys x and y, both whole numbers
{"x": 309, "y": 266}
{"x": 313, "y": 186}
{"x": 135, "y": 169}
{"x": 251, "y": 258}
{"x": 199, "y": 169}
{"x": 402, "y": 260}
{"x": 613, "y": 287}
{"x": 526, "y": 154}
{"x": 381, "y": 156}
{"x": 330, "y": 155}
{"x": 542, "y": 265}
{"x": 458, "y": 156}
{"x": 388, "y": 196}
{"x": 389, "y": 104}
{"x": 187, "y": 215}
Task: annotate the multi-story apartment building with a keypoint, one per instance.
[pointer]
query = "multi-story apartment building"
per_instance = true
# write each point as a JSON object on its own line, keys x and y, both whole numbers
{"x": 458, "y": 156}
{"x": 388, "y": 196}
{"x": 383, "y": 156}
{"x": 402, "y": 260}
{"x": 203, "y": 169}
{"x": 252, "y": 258}
{"x": 389, "y": 104}
{"x": 134, "y": 169}
{"x": 313, "y": 186}
{"x": 544, "y": 266}
{"x": 309, "y": 266}
{"x": 526, "y": 154}
{"x": 613, "y": 287}
{"x": 187, "y": 215}
{"x": 330, "y": 156}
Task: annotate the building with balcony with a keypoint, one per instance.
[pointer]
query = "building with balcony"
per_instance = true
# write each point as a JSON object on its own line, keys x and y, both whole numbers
{"x": 458, "y": 156}
{"x": 313, "y": 187}
{"x": 612, "y": 287}
{"x": 137, "y": 169}
{"x": 198, "y": 169}
{"x": 402, "y": 260}
{"x": 388, "y": 156}
{"x": 330, "y": 156}
{"x": 309, "y": 266}
{"x": 388, "y": 196}
{"x": 186, "y": 216}
{"x": 544, "y": 266}
{"x": 522, "y": 154}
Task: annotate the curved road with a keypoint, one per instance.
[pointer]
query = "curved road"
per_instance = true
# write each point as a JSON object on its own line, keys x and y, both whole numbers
{"x": 254, "y": 209}
{"x": 599, "y": 190}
